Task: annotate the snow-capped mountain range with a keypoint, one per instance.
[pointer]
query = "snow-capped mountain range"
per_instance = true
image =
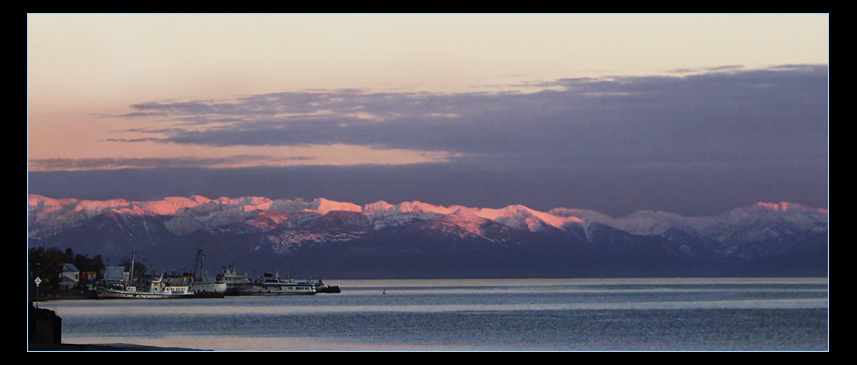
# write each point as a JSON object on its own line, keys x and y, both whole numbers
{"x": 278, "y": 230}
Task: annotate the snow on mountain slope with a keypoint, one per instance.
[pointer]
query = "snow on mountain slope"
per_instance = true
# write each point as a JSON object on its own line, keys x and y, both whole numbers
{"x": 183, "y": 215}
{"x": 383, "y": 214}
{"x": 320, "y": 206}
{"x": 522, "y": 217}
{"x": 763, "y": 221}
{"x": 172, "y": 205}
{"x": 467, "y": 223}
{"x": 650, "y": 223}
{"x": 47, "y": 215}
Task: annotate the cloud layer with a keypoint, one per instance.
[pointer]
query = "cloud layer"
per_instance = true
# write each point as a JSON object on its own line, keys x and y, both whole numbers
{"x": 707, "y": 135}
{"x": 721, "y": 117}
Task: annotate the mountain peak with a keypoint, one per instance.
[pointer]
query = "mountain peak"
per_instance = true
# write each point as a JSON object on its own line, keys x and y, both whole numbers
{"x": 420, "y": 207}
{"x": 325, "y": 206}
{"x": 384, "y": 214}
{"x": 784, "y": 207}
{"x": 258, "y": 229}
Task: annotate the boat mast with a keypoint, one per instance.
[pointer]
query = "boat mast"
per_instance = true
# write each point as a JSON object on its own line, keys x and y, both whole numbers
{"x": 200, "y": 262}
{"x": 131, "y": 273}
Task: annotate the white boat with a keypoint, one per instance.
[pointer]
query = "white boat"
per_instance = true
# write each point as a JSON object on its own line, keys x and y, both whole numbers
{"x": 202, "y": 285}
{"x": 155, "y": 289}
{"x": 274, "y": 285}
{"x": 204, "y": 289}
{"x": 233, "y": 281}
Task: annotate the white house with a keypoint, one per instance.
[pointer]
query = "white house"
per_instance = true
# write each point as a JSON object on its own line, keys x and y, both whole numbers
{"x": 69, "y": 276}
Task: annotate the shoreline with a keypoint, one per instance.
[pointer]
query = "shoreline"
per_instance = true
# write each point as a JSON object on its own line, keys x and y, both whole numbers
{"x": 102, "y": 347}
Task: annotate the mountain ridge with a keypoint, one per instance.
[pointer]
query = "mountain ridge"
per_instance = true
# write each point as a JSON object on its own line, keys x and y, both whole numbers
{"x": 405, "y": 238}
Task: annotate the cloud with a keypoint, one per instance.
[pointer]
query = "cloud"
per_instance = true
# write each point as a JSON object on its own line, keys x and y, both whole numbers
{"x": 66, "y": 164}
{"x": 725, "y": 115}
{"x": 697, "y": 143}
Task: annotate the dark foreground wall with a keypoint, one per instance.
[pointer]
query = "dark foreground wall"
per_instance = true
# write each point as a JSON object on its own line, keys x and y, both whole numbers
{"x": 44, "y": 327}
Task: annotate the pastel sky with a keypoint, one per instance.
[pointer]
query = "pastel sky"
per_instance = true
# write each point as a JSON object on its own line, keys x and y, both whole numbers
{"x": 688, "y": 113}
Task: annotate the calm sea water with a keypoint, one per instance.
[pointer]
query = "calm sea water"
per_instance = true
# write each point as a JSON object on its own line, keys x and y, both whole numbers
{"x": 477, "y": 315}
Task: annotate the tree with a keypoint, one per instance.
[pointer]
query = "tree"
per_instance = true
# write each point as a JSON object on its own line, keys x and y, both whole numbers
{"x": 39, "y": 257}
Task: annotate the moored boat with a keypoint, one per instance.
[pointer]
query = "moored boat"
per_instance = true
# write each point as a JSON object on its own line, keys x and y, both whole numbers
{"x": 233, "y": 281}
{"x": 126, "y": 288}
{"x": 154, "y": 289}
{"x": 208, "y": 290}
{"x": 201, "y": 287}
{"x": 328, "y": 289}
{"x": 201, "y": 284}
{"x": 321, "y": 288}
{"x": 270, "y": 284}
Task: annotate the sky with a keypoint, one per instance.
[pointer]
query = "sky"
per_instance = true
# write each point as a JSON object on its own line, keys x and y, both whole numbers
{"x": 693, "y": 114}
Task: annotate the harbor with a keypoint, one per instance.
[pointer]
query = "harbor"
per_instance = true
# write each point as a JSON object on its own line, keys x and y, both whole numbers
{"x": 133, "y": 281}
{"x": 128, "y": 282}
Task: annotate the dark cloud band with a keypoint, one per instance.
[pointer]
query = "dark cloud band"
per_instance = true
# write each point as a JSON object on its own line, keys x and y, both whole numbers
{"x": 721, "y": 116}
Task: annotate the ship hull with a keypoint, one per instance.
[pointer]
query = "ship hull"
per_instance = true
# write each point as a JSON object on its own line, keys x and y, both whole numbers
{"x": 275, "y": 289}
{"x": 104, "y": 293}
{"x": 209, "y": 290}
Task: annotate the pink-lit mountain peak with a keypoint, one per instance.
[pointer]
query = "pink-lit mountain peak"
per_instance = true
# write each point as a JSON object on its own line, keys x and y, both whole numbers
{"x": 171, "y": 205}
{"x": 381, "y": 213}
{"x": 380, "y": 233}
{"x": 783, "y": 207}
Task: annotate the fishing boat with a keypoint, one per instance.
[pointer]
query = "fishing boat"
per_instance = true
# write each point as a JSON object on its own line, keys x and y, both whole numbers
{"x": 153, "y": 289}
{"x": 270, "y": 284}
{"x": 233, "y": 281}
{"x": 204, "y": 286}
{"x": 201, "y": 287}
